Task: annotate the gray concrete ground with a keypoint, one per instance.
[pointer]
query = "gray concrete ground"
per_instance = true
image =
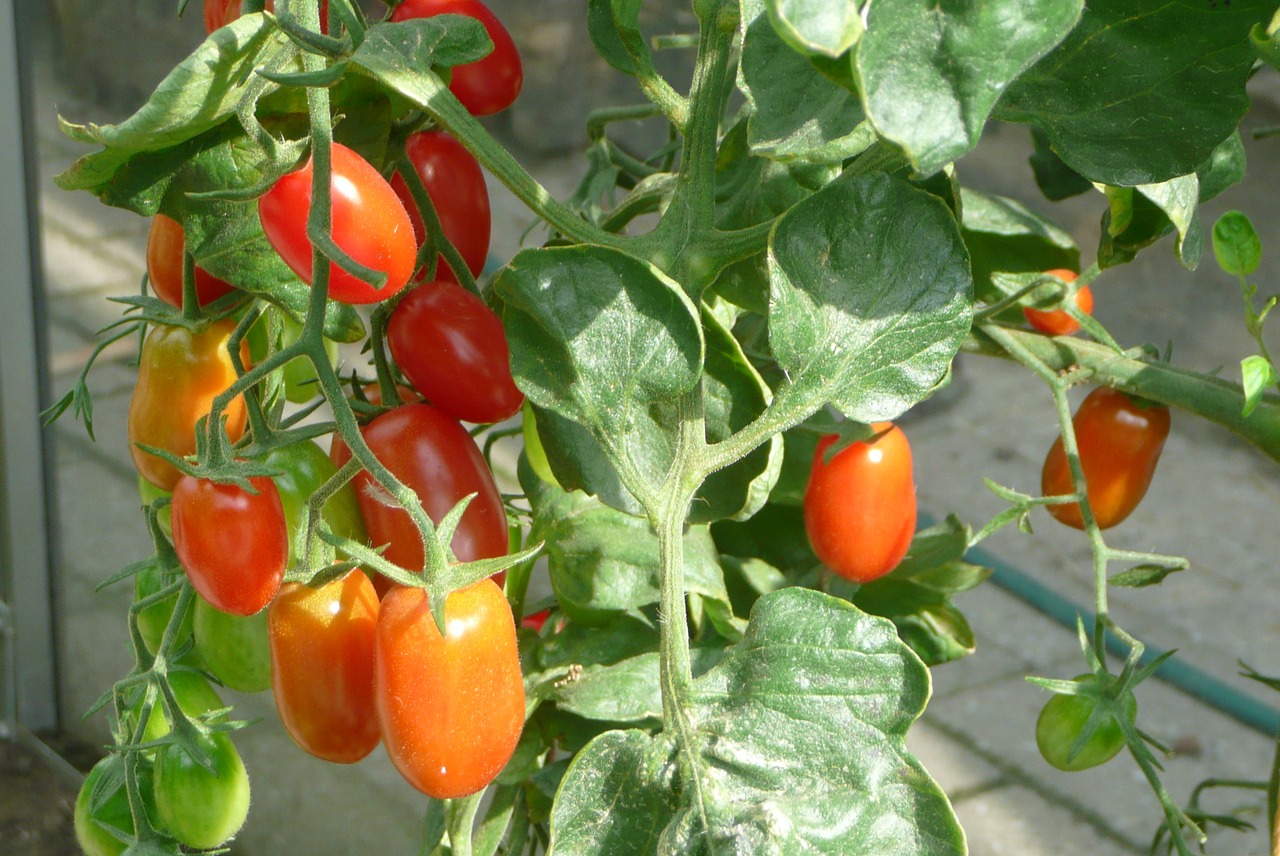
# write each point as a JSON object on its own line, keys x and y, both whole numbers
{"x": 1212, "y": 501}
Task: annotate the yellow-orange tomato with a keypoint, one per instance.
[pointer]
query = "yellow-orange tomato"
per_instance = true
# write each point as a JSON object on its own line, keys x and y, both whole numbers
{"x": 860, "y": 507}
{"x": 451, "y": 707}
{"x": 1057, "y": 322}
{"x": 180, "y": 372}
{"x": 322, "y": 642}
{"x": 1120, "y": 445}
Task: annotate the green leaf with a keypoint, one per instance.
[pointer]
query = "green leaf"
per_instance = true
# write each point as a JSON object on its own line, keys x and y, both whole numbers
{"x": 397, "y": 54}
{"x": 1140, "y": 216}
{"x": 604, "y": 562}
{"x": 1224, "y": 168}
{"x": 1259, "y": 377}
{"x": 775, "y": 535}
{"x": 1141, "y": 576}
{"x": 931, "y": 73}
{"x": 871, "y": 296}
{"x": 1003, "y": 235}
{"x": 582, "y": 644}
{"x": 797, "y": 113}
{"x": 626, "y": 692}
{"x": 1236, "y": 244}
{"x": 1141, "y": 92}
{"x": 818, "y": 27}
{"x": 813, "y": 683}
{"x": 605, "y": 21}
{"x": 1266, "y": 41}
{"x": 1055, "y": 179}
{"x": 202, "y": 92}
{"x": 598, "y": 338}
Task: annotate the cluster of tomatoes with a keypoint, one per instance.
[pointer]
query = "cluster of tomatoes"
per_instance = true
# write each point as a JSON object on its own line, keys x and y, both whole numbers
{"x": 356, "y": 660}
{"x": 860, "y": 513}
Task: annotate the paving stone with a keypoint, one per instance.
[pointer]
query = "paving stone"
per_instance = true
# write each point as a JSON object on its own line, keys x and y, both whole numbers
{"x": 956, "y": 769}
{"x": 1014, "y": 821}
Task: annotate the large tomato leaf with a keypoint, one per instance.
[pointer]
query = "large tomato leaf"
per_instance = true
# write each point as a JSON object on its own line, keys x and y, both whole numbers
{"x": 1141, "y": 215}
{"x": 771, "y": 729}
{"x": 1004, "y": 235}
{"x": 931, "y": 73}
{"x": 819, "y": 27}
{"x": 599, "y": 338}
{"x": 396, "y": 54}
{"x": 797, "y": 113}
{"x": 871, "y": 296}
{"x": 1179, "y": 66}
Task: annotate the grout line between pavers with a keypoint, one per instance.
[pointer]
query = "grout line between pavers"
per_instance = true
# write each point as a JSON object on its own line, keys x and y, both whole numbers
{"x": 1017, "y": 776}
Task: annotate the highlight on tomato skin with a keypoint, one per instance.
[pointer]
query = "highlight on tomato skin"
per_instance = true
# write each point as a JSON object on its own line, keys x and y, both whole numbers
{"x": 451, "y": 707}
{"x": 1119, "y": 443}
{"x": 490, "y": 84}
{"x": 369, "y": 224}
{"x": 1058, "y": 322}
{"x": 860, "y": 507}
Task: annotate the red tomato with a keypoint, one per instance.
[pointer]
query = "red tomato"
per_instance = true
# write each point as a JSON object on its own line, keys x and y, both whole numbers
{"x": 369, "y": 224}
{"x": 322, "y": 666}
{"x": 488, "y": 85}
{"x": 219, "y": 13}
{"x": 1056, "y": 322}
{"x": 860, "y": 507}
{"x": 454, "y": 181}
{"x": 234, "y": 545}
{"x": 452, "y": 347}
{"x": 180, "y": 372}
{"x": 165, "y": 244}
{"x": 434, "y": 456}
{"x": 339, "y": 453}
{"x": 451, "y": 707}
{"x": 1120, "y": 445}
{"x": 535, "y": 620}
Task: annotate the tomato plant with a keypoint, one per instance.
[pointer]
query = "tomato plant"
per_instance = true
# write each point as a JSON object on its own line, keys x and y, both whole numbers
{"x": 452, "y": 348}
{"x": 304, "y": 467}
{"x": 201, "y": 807}
{"x": 233, "y": 544}
{"x": 322, "y": 656}
{"x": 195, "y": 696}
{"x": 179, "y": 373}
{"x": 98, "y": 822}
{"x": 165, "y": 246}
{"x": 489, "y": 85}
{"x": 435, "y": 457}
{"x": 429, "y": 687}
{"x": 1120, "y": 442}
{"x": 860, "y": 506}
{"x": 1065, "y": 717}
{"x": 1058, "y": 322}
{"x": 234, "y": 648}
{"x": 453, "y": 179}
{"x": 369, "y": 224}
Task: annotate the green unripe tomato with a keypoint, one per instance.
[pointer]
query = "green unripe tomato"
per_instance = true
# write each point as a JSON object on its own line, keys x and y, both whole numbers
{"x": 153, "y": 620}
{"x": 304, "y": 468}
{"x": 199, "y": 808}
{"x": 533, "y": 449}
{"x": 195, "y": 695}
{"x": 149, "y": 494}
{"x": 1062, "y": 720}
{"x": 234, "y": 648}
{"x": 299, "y": 375}
{"x": 92, "y": 827}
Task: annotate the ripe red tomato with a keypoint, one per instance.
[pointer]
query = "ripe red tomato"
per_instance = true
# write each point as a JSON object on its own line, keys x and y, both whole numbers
{"x": 1056, "y": 322}
{"x": 452, "y": 347}
{"x": 535, "y": 620}
{"x": 165, "y": 245}
{"x": 451, "y": 707}
{"x": 1120, "y": 444}
{"x": 219, "y": 13}
{"x": 322, "y": 643}
{"x": 179, "y": 375}
{"x": 860, "y": 507}
{"x": 200, "y": 808}
{"x": 233, "y": 544}
{"x": 454, "y": 181}
{"x": 488, "y": 85}
{"x": 434, "y": 456}
{"x": 369, "y": 224}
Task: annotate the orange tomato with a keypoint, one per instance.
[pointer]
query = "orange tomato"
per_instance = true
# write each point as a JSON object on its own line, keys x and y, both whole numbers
{"x": 1120, "y": 445}
{"x": 1057, "y": 322}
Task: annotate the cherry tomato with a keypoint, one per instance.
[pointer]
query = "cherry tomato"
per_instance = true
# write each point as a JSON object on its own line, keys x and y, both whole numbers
{"x": 93, "y": 826}
{"x": 860, "y": 507}
{"x": 488, "y": 85}
{"x": 452, "y": 347}
{"x": 199, "y": 808}
{"x": 219, "y": 13}
{"x": 180, "y": 372}
{"x": 149, "y": 493}
{"x": 434, "y": 456}
{"x": 234, "y": 545}
{"x": 452, "y": 707}
{"x": 153, "y": 620}
{"x": 1120, "y": 444}
{"x": 304, "y": 467}
{"x": 234, "y": 648}
{"x": 1056, "y": 322}
{"x": 1062, "y": 720}
{"x": 369, "y": 224}
{"x": 165, "y": 244}
{"x": 535, "y": 620}
{"x": 322, "y": 655}
{"x": 454, "y": 181}
{"x": 339, "y": 452}
{"x": 194, "y": 694}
